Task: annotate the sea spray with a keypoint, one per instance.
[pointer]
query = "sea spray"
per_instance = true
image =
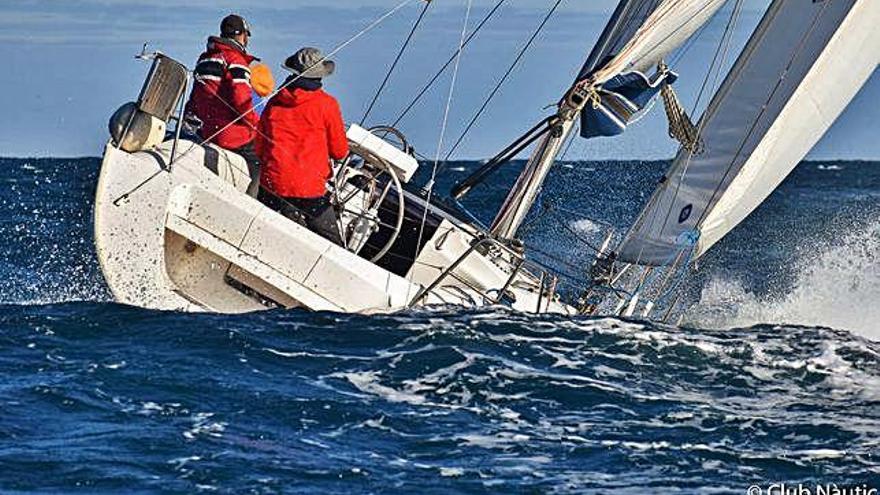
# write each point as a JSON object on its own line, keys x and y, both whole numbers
{"x": 836, "y": 286}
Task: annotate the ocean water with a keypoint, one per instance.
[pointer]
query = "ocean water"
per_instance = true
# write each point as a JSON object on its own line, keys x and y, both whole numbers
{"x": 773, "y": 375}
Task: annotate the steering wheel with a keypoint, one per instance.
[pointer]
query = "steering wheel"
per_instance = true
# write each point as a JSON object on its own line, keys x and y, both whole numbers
{"x": 369, "y": 178}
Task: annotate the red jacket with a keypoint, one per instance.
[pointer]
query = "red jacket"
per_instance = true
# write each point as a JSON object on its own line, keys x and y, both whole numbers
{"x": 222, "y": 93}
{"x": 300, "y": 131}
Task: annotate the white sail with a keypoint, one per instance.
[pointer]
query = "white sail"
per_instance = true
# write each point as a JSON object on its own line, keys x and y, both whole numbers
{"x": 670, "y": 23}
{"x": 627, "y": 19}
{"x": 639, "y": 34}
{"x": 804, "y": 63}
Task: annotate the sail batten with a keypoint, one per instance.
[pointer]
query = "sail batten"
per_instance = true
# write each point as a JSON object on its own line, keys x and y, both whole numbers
{"x": 801, "y": 67}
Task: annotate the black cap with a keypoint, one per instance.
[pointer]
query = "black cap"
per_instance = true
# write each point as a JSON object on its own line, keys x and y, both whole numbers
{"x": 233, "y": 25}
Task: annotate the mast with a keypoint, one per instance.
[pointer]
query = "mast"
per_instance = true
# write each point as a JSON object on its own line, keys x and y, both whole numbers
{"x": 638, "y": 35}
{"x": 521, "y": 198}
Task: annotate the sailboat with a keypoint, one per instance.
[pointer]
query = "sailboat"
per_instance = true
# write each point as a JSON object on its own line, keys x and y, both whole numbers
{"x": 175, "y": 227}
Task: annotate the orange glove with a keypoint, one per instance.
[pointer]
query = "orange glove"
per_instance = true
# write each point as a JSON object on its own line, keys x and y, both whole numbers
{"x": 262, "y": 80}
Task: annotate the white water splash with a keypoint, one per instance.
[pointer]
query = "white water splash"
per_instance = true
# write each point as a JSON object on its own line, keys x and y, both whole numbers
{"x": 586, "y": 226}
{"x": 838, "y": 287}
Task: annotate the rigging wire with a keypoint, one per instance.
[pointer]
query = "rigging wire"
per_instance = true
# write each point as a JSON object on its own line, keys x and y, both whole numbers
{"x": 460, "y": 189}
{"x": 552, "y": 208}
{"x": 393, "y": 66}
{"x": 503, "y": 79}
{"x": 445, "y": 122}
{"x": 446, "y": 65}
{"x": 688, "y": 45}
{"x": 548, "y": 207}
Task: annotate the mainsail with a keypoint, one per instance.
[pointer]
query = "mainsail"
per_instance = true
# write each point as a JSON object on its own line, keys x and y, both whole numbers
{"x": 639, "y": 34}
{"x": 804, "y": 63}
{"x": 644, "y": 33}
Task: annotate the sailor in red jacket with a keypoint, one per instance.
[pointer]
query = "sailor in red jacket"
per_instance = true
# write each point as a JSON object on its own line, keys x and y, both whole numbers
{"x": 221, "y": 104}
{"x": 300, "y": 131}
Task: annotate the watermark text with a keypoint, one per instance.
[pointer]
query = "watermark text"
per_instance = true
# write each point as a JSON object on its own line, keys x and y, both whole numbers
{"x": 817, "y": 489}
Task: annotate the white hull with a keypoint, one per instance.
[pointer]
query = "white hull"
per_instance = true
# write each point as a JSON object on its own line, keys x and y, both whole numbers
{"x": 190, "y": 239}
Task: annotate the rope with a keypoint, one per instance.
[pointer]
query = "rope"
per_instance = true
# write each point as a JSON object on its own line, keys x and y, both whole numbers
{"x": 681, "y": 128}
{"x": 403, "y": 48}
{"x": 503, "y": 79}
{"x": 446, "y": 65}
{"x": 593, "y": 97}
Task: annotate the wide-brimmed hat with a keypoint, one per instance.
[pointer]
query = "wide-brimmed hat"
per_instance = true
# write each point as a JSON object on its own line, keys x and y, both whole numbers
{"x": 309, "y": 62}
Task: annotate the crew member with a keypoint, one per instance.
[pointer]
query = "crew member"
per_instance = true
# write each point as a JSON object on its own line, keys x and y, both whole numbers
{"x": 221, "y": 105}
{"x": 300, "y": 131}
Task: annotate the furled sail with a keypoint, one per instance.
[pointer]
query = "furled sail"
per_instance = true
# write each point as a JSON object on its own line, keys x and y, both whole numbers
{"x": 804, "y": 63}
{"x": 639, "y": 34}
{"x": 642, "y": 32}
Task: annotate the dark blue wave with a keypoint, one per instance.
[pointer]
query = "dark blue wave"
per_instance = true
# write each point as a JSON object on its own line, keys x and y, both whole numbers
{"x": 100, "y": 397}
{"x": 117, "y": 398}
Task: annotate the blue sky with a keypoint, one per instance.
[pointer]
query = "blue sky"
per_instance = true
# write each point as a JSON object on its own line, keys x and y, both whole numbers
{"x": 69, "y": 65}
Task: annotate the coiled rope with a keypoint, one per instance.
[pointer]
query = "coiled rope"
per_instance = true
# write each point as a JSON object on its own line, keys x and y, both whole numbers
{"x": 681, "y": 127}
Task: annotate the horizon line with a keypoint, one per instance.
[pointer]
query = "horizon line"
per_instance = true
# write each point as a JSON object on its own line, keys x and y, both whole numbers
{"x": 632, "y": 159}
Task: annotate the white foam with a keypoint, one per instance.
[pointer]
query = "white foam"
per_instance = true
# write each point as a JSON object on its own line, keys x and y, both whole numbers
{"x": 202, "y": 425}
{"x": 368, "y": 382}
{"x": 180, "y": 462}
{"x": 586, "y": 226}
{"x": 817, "y": 454}
{"x": 501, "y": 439}
{"x": 836, "y": 287}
